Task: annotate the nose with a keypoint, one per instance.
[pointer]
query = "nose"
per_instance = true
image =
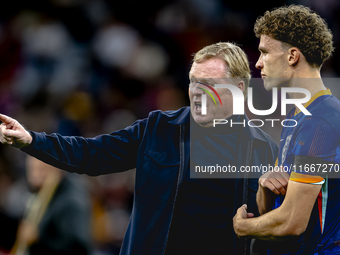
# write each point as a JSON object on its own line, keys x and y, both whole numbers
{"x": 196, "y": 89}
{"x": 259, "y": 63}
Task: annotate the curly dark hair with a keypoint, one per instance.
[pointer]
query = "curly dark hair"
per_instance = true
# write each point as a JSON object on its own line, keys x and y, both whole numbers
{"x": 300, "y": 27}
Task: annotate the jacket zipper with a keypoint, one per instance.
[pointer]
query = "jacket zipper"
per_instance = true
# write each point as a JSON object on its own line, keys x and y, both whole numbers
{"x": 181, "y": 166}
{"x": 248, "y": 159}
{"x": 245, "y": 185}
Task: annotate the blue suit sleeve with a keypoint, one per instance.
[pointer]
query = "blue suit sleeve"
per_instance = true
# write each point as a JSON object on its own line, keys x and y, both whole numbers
{"x": 104, "y": 154}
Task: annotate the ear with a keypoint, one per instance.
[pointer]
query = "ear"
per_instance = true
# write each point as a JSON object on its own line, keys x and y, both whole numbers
{"x": 240, "y": 85}
{"x": 189, "y": 91}
{"x": 294, "y": 55}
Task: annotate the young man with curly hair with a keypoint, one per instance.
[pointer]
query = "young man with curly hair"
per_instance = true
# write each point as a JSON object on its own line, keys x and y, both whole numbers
{"x": 299, "y": 209}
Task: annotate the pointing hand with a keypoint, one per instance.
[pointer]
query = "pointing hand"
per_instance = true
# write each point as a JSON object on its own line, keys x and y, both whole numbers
{"x": 13, "y": 133}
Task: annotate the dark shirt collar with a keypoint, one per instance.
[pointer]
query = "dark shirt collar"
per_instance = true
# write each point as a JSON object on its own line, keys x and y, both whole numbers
{"x": 222, "y": 129}
{"x": 183, "y": 117}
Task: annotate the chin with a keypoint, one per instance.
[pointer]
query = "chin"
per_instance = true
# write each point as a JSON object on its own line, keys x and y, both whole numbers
{"x": 205, "y": 124}
{"x": 202, "y": 120}
{"x": 271, "y": 83}
{"x": 268, "y": 86}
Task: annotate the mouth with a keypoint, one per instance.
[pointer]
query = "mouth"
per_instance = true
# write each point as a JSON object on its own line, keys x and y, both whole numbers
{"x": 198, "y": 106}
{"x": 263, "y": 75}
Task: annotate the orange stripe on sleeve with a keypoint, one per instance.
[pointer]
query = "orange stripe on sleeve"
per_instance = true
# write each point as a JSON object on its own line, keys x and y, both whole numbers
{"x": 306, "y": 178}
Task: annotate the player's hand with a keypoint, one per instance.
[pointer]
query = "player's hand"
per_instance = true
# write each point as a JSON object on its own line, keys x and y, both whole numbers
{"x": 13, "y": 133}
{"x": 276, "y": 181}
{"x": 239, "y": 218}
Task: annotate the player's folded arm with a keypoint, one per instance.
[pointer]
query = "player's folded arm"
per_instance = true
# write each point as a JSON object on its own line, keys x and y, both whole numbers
{"x": 289, "y": 220}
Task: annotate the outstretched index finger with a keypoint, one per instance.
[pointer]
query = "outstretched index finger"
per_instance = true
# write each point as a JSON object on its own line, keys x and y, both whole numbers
{"x": 5, "y": 119}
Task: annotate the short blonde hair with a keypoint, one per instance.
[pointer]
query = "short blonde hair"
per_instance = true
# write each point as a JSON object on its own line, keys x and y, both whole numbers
{"x": 235, "y": 58}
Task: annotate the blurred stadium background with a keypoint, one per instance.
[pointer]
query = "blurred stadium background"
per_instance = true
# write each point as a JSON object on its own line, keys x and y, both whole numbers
{"x": 87, "y": 67}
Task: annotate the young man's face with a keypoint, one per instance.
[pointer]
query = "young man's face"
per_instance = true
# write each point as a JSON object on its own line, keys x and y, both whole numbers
{"x": 273, "y": 62}
{"x": 211, "y": 71}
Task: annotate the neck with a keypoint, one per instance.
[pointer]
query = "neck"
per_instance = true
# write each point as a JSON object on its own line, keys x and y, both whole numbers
{"x": 308, "y": 78}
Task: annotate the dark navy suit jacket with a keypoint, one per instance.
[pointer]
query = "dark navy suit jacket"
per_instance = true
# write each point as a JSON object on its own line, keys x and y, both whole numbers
{"x": 159, "y": 148}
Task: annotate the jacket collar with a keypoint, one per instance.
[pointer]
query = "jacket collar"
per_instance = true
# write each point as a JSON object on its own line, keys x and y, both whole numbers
{"x": 252, "y": 132}
{"x": 183, "y": 117}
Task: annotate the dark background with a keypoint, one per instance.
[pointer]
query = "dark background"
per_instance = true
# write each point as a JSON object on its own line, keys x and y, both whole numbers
{"x": 86, "y": 67}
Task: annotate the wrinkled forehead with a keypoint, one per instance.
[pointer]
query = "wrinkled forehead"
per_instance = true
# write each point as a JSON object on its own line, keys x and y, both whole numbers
{"x": 210, "y": 68}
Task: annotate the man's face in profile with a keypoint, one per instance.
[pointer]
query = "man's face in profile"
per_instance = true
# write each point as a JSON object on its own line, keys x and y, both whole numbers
{"x": 272, "y": 62}
{"x": 209, "y": 72}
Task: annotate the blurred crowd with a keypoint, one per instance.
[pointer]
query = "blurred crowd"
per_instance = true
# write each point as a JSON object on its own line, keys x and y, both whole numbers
{"x": 87, "y": 67}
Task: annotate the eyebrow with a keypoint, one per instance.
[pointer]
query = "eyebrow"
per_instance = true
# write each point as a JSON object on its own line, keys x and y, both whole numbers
{"x": 209, "y": 81}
